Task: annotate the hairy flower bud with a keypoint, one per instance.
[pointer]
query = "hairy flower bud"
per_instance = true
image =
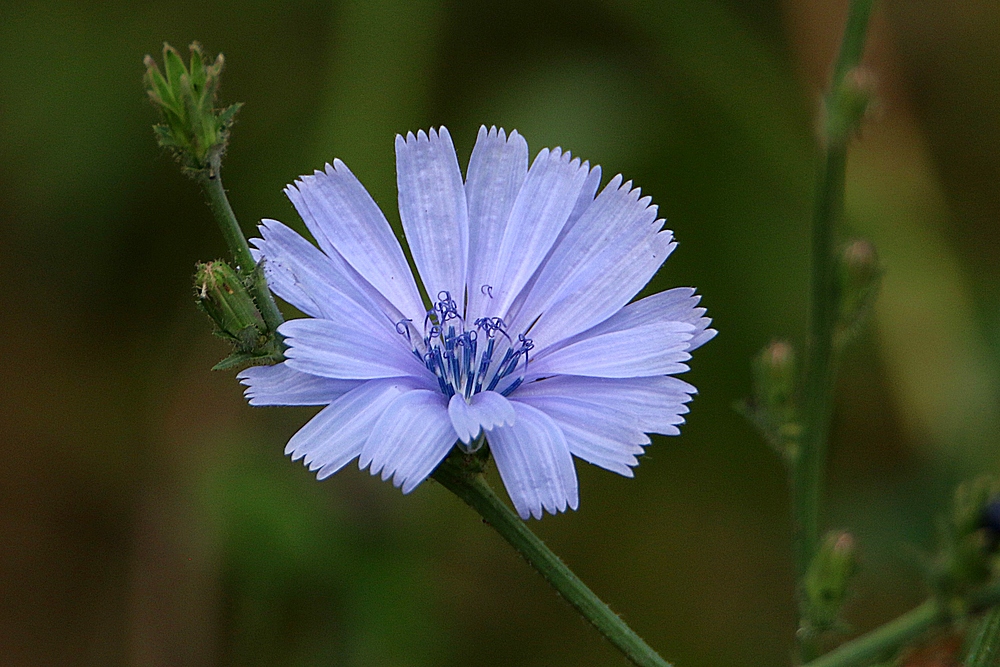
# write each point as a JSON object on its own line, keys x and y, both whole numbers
{"x": 224, "y": 298}
{"x": 192, "y": 129}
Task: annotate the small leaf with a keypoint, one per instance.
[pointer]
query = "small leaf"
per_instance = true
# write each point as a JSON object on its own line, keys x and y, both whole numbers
{"x": 241, "y": 359}
{"x": 197, "y": 67}
{"x": 173, "y": 64}
{"x": 158, "y": 89}
{"x": 165, "y": 137}
{"x": 226, "y": 117}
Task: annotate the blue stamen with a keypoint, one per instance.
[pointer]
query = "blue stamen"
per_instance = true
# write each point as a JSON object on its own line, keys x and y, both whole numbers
{"x": 466, "y": 371}
{"x": 513, "y": 385}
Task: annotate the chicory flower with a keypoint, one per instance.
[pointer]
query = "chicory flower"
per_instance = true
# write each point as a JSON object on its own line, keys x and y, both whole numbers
{"x": 529, "y": 341}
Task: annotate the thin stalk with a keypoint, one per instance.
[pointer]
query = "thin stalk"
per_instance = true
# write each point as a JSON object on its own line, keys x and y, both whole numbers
{"x": 471, "y": 487}
{"x": 884, "y": 640}
{"x": 211, "y": 182}
{"x": 809, "y": 463}
{"x": 889, "y": 638}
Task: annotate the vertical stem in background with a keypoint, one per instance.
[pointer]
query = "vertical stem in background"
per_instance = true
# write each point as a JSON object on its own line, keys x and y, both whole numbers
{"x": 810, "y": 461}
{"x": 211, "y": 182}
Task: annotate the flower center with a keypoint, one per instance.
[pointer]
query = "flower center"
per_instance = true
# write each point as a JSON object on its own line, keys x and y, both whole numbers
{"x": 466, "y": 360}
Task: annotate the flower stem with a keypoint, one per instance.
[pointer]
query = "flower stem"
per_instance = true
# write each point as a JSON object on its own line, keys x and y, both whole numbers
{"x": 889, "y": 638}
{"x": 211, "y": 182}
{"x": 809, "y": 462}
{"x": 470, "y": 485}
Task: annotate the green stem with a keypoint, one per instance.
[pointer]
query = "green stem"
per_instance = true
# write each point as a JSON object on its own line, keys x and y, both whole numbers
{"x": 809, "y": 463}
{"x": 889, "y": 638}
{"x": 211, "y": 182}
{"x": 884, "y": 640}
{"x": 470, "y": 485}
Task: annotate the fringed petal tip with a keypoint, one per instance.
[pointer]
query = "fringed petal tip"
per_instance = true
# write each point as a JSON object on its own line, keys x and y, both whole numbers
{"x": 495, "y": 132}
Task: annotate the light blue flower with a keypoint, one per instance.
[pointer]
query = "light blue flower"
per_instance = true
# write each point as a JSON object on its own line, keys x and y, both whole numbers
{"x": 529, "y": 339}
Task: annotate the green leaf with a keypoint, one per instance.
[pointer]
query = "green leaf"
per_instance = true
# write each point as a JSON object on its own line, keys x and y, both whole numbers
{"x": 174, "y": 66}
{"x": 226, "y": 117}
{"x": 197, "y": 67}
{"x": 157, "y": 87}
{"x": 243, "y": 359}
{"x": 165, "y": 137}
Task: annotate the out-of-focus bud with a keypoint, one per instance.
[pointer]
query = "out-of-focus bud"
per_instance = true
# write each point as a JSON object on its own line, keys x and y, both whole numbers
{"x": 990, "y": 521}
{"x": 849, "y": 103}
{"x": 192, "y": 129}
{"x": 775, "y": 376}
{"x": 828, "y": 579}
{"x": 965, "y": 556}
{"x": 972, "y": 500}
{"x": 859, "y": 278}
{"x": 772, "y": 408}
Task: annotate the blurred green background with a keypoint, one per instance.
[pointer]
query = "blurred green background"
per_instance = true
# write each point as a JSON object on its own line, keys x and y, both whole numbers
{"x": 147, "y": 516}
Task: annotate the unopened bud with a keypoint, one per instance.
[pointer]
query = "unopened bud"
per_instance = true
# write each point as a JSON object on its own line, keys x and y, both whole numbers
{"x": 849, "y": 103}
{"x": 772, "y": 407}
{"x": 193, "y": 129}
{"x": 859, "y": 276}
{"x": 990, "y": 521}
{"x": 964, "y": 558}
{"x": 972, "y": 500}
{"x": 828, "y": 579}
{"x": 775, "y": 378}
{"x": 220, "y": 292}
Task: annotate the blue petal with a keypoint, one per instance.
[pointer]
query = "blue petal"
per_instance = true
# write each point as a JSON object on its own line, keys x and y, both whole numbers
{"x": 675, "y": 305}
{"x": 433, "y": 209}
{"x": 603, "y": 261}
{"x": 346, "y": 220}
{"x": 540, "y": 212}
{"x": 534, "y": 463}
{"x": 411, "y": 438}
{"x": 319, "y": 285}
{"x": 656, "y": 403}
{"x": 496, "y": 172}
{"x": 339, "y": 349}
{"x": 599, "y": 434}
{"x": 653, "y": 349}
{"x": 337, "y": 433}
{"x": 485, "y": 410}
{"x": 586, "y": 197}
{"x": 282, "y": 385}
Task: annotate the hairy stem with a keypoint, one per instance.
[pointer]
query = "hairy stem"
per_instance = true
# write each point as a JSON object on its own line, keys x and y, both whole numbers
{"x": 211, "y": 182}
{"x": 471, "y": 486}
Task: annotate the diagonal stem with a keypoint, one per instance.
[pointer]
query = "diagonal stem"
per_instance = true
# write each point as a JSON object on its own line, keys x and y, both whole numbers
{"x": 889, "y": 638}
{"x": 470, "y": 485}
